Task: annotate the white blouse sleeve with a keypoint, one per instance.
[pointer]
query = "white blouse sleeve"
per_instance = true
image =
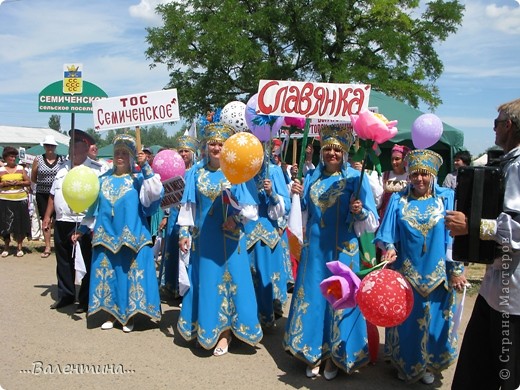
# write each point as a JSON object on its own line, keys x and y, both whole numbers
{"x": 151, "y": 190}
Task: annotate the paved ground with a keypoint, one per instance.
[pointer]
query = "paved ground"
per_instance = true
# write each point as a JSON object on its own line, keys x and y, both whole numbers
{"x": 37, "y": 343}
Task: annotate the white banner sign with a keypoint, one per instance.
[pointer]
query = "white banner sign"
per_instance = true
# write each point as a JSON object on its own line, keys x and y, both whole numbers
{"x": 312, "y": 100}
{"x": 314, "y": 128}
{"x": 136, "y": 110}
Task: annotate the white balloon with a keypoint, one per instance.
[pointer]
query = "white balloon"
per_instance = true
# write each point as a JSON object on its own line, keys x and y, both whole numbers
{"x": 233, "y": 114}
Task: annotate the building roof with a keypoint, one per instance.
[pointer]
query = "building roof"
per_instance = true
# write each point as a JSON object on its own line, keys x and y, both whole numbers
{"x": 26, "y": 137}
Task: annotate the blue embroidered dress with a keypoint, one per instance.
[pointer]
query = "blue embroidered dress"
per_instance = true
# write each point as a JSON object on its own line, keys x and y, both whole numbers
{"x": 416, "y": 228}
{"x": 123, "y": 279}
{"x": 170, "y": 258}
{"x": 314, "y": 331}
{"x": 221, "y": 295}
{"x": 266, "y": 253}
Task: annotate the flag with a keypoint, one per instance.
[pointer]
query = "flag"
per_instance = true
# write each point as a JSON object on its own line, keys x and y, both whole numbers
{"x": 192, "y": 131}
{"x": 79, "y": 263}
{"x": 228, "y": 198}
{"x": 295, "y": 227}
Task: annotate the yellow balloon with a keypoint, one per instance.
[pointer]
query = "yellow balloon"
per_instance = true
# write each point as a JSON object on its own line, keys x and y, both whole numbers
{"x": 80, "y": 188}
{"x": 241, "y": 157}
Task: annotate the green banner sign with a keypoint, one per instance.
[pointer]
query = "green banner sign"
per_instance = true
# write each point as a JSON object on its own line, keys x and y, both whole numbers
{"x": 52, "y": 99}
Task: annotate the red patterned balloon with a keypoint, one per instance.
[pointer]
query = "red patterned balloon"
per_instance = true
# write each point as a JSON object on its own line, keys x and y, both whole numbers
{"x": 385, "y": 298}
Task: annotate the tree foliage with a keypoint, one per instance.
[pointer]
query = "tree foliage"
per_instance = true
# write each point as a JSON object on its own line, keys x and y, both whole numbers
{"x": 152, "y": 135}
{"x": 217, "y": 50}
{"x": 55, "y": 122}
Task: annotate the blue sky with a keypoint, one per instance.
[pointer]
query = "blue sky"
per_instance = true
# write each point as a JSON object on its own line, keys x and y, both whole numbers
{"x": 482, "y": 61}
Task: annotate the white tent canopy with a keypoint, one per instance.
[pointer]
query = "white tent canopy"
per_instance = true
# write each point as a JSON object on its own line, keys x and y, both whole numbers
{"x": 481, "y": 161}
{"x": 26, "y": 137}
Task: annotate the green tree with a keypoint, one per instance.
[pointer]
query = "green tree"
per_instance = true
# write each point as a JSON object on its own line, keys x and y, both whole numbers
{"x": 55, "y": 122}
{"x": 217, "y": 50}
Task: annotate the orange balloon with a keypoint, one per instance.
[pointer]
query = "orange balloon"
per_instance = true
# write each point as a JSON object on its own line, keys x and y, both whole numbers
{"x": 241, "y": 157}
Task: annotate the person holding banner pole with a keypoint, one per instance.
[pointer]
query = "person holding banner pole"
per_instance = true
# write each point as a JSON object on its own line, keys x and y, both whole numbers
{"x": 315, "y": 333}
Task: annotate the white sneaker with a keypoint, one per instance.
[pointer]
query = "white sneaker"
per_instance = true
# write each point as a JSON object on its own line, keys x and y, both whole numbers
{"x": 129, "y": 326}
{"x": 428, "y": 378}
{"x": 107, "y": 325}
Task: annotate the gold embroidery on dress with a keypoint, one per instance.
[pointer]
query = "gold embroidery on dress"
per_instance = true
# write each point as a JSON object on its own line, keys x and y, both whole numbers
{"x": 102, "y": 295}
{"x": 260, "y": 233}
{"x": 137, "y": 297}
{"x": 113, "y": 193}
{"x": 422, "y": 222}
{"x": 324, "y": 198}
{"x": 424, "y": 284}
{"x": 209, "y": 189}
{"x": 115, "y": 243}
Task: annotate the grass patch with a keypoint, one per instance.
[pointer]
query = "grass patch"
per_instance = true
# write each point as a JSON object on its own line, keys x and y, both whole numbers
{"x": 474, "y": 273}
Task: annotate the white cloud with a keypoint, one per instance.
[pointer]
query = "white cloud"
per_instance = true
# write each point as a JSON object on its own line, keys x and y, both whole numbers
{"x": 146, "y": 10}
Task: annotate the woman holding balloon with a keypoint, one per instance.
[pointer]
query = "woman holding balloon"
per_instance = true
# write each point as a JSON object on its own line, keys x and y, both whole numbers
{"x": 315, "y": 332}
{"x": 221, "y": 300}
{"x": 415, "y": 240}
{"x": 123, "y": 280}
{"x": 171, "y": 268}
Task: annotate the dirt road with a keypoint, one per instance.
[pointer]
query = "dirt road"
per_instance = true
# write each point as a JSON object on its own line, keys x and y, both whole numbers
{"x": 49, "y": 349}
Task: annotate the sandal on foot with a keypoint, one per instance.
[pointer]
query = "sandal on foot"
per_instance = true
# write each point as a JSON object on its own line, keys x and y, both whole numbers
{"x": 45, "y": 254}
{"x": 312, "y": 372}
{"x": 219, "y": 351}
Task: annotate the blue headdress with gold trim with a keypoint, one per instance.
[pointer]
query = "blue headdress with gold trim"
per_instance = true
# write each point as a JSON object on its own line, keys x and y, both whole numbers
{"x": 126, "y": 141}
{"x": 187, "y": 142}
{"x": 212, "y": 130}
{"x": 337, "y": 135}
{"x": 423, "y": 161}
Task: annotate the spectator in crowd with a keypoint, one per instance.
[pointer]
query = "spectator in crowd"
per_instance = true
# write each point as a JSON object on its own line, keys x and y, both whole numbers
{"x": 44, "y": 169}
{"x": 396, "y": 179}
{"x": 461, "y": 159}
{"x": 14, "y": 208}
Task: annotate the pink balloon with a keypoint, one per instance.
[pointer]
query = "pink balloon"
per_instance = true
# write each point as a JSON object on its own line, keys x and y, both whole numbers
{"x": 168, "y": 164}
{"x": 263, "y": 126}
{"x": 426, "y": 131}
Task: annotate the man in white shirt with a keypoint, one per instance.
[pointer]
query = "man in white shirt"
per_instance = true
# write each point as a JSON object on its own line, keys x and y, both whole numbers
{"x": 66, "y": 222}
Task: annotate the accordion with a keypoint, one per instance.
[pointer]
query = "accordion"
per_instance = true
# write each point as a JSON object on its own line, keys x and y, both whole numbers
{"x": 479, "y": 195}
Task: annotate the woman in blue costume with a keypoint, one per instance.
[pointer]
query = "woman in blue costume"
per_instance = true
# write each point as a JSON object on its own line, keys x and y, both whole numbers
{"x": 221, "y": 299}
{"x": 187, "y": 147}
{"x": 418, "y": 245}
{"x": 123, "y": 280}
{"x": 264, "y": 243}
{"x": 334, "y": 219}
